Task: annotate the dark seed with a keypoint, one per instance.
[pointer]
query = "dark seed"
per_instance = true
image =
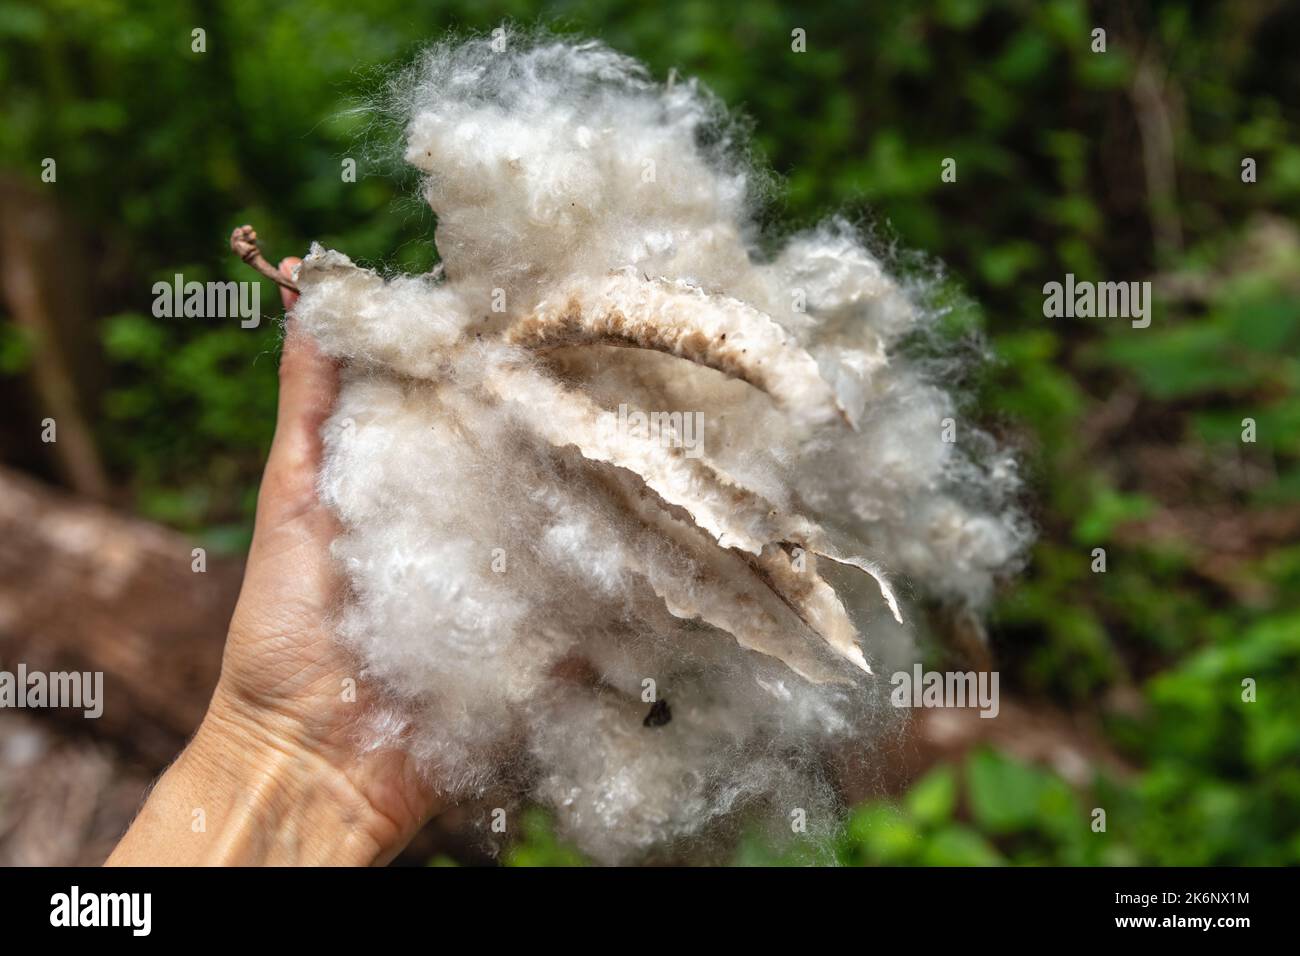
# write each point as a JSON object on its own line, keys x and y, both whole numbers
{"x": 660, "y": 714}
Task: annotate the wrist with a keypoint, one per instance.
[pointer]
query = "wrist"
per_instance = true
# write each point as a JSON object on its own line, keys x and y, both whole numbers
{"x": 288, "y": 804}
{"x": 247, "y": 792}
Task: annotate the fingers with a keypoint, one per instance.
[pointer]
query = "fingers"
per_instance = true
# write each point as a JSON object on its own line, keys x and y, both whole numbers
{"x": 308, "y": 388}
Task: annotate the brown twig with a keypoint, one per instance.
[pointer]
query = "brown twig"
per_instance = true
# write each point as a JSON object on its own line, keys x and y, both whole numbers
{"x": 243, "y": 243}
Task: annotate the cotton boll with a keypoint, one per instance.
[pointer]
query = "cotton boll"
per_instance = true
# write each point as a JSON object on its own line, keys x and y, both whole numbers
{"x": 613, "y": 177}
{"x": 845, "y": 288}
{"x": 734, "y": 748}
{"x": 404, "y": 325}
{"x": 529, "y": 568}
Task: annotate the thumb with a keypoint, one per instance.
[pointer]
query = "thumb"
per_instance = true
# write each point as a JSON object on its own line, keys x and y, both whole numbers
{"x": 309, "y": 383}
{"x": 288, "y": 296}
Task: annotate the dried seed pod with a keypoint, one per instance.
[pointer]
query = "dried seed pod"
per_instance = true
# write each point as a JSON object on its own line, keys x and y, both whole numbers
{"x": 720, "y": 587}
{"x": 735, "y": 516}
{"x": 680, "y": 319}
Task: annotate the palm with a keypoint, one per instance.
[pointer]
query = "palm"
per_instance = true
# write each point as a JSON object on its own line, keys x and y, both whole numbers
{"x": 282, "y": 665}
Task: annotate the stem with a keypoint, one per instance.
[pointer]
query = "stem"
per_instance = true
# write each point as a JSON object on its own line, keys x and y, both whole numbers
{"x": 243, "y": 243}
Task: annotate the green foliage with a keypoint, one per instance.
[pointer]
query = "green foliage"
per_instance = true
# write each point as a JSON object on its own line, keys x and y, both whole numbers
{"x": 539, "y": 846}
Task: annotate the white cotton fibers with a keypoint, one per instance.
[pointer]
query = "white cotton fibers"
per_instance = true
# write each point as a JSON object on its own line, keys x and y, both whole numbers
{"x": 666, "y": 642}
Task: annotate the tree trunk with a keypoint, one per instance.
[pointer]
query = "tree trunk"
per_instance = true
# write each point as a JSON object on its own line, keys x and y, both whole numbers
{"x": 43, "y": 277}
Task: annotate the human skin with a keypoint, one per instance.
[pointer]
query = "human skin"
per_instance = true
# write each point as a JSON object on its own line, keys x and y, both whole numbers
{"x": 275, "y": 774}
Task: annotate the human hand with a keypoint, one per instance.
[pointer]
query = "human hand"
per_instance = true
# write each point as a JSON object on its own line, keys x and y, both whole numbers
{"x": 276, "y": 766}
